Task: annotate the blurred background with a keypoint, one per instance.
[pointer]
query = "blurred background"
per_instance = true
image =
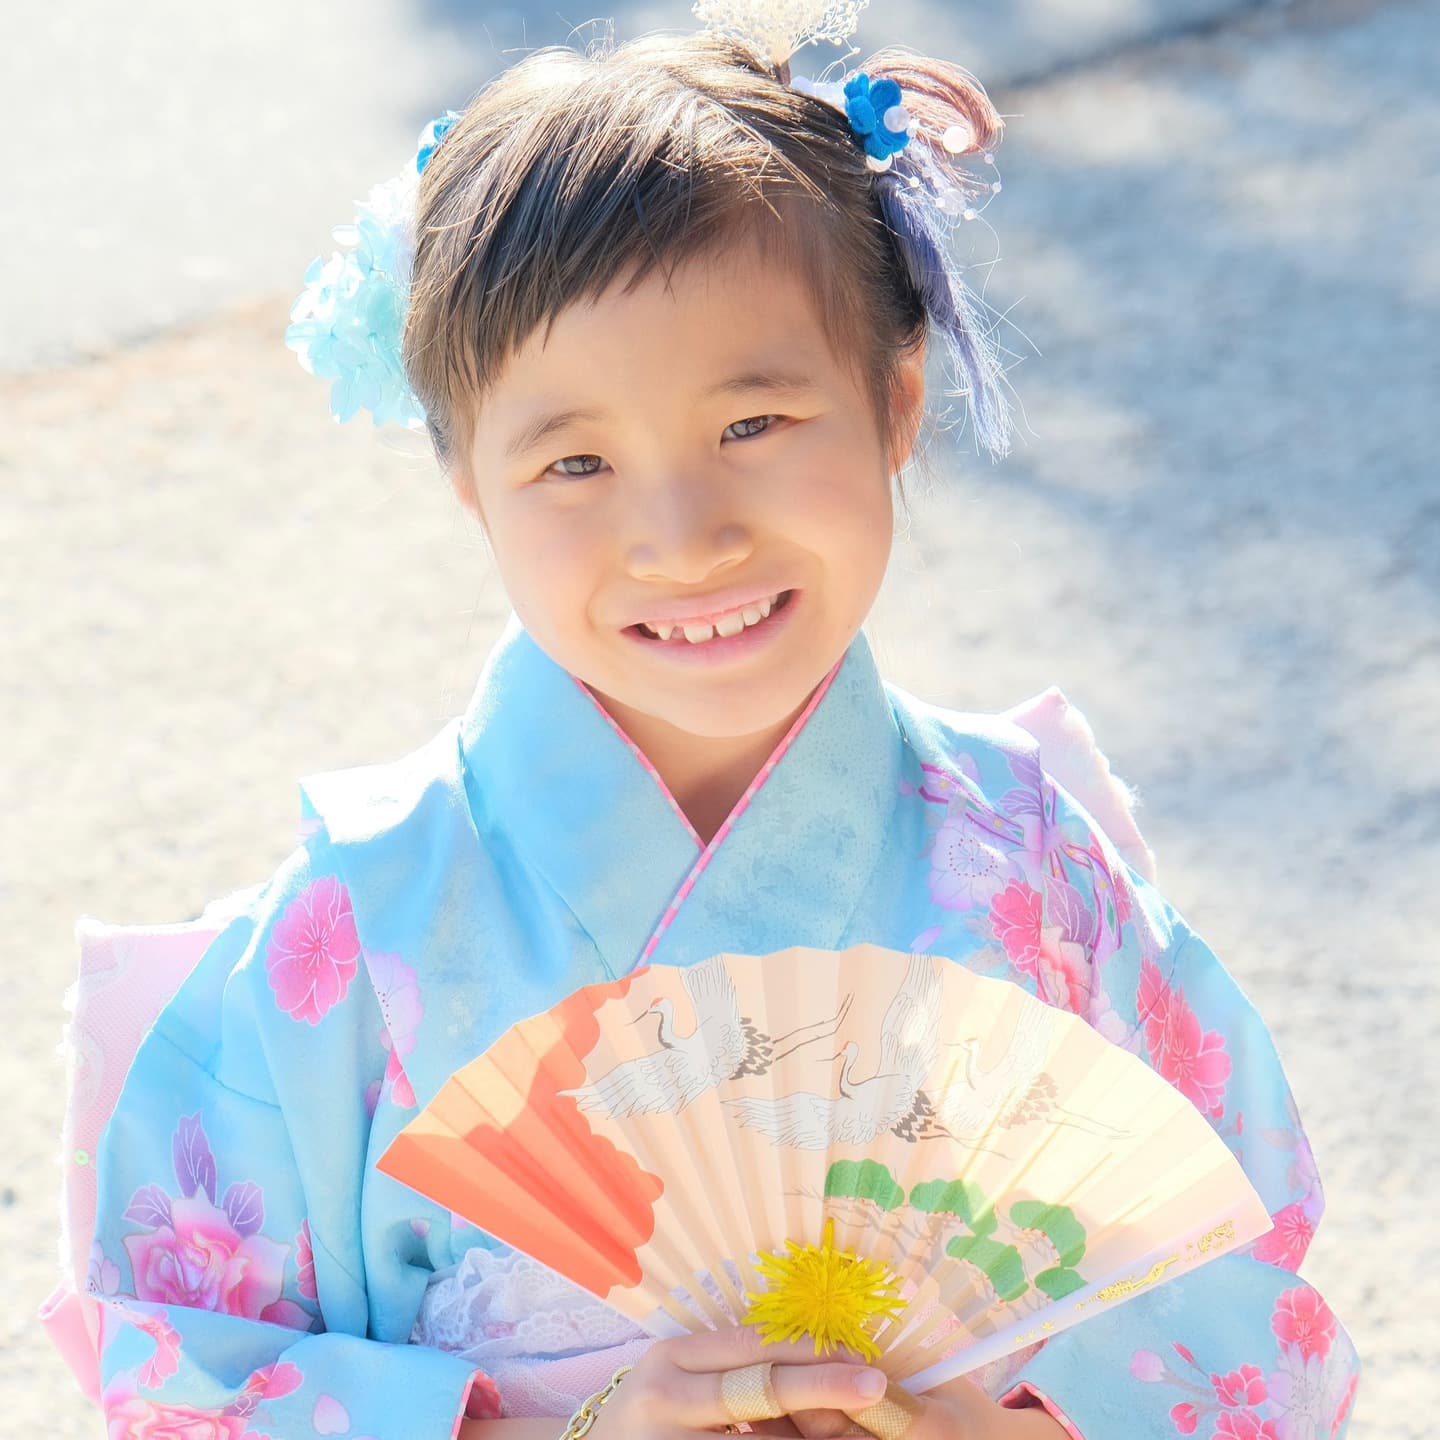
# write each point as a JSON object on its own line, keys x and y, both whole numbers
{"x": 1219, "y": 533}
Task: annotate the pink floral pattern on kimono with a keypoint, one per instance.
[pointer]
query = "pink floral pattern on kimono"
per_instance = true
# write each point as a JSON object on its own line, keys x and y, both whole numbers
{"x": 205, "y": 1256}
{"x": 1192, "y": 1059}
{"x": 1060, "y": 965}
{"x": 401, "y": 1012}
{"x": 1297, "y": 1399}
{"x": 132, "y": 1416}
{"x": 305, "y": 1262}
{"x": 313, "y": 951}
{"x": 1287, "y": 1243}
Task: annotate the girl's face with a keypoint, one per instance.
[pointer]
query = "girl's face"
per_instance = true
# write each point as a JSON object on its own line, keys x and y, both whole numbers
{"x": 688, "y": 456}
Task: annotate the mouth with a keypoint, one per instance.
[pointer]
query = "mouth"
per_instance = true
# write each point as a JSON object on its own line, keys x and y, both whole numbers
{"x": 733, "y": 638}
{"x": 739, "y": 622}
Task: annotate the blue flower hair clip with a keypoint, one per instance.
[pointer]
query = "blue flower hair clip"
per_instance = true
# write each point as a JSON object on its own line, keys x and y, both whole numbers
{"x": 346, "y": 324}
{"x": 877, "y": 117}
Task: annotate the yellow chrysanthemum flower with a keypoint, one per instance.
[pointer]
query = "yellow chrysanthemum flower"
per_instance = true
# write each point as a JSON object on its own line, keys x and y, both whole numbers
{"x": 831, "y": 1295}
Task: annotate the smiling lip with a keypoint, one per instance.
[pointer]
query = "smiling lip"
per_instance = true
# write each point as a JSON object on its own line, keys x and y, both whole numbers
{"x": 706, "y": 609}
{"x": 721, "y": 650}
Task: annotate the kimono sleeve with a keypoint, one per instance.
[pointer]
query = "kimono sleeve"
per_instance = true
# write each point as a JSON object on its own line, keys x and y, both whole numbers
{"x": 236, "y": 1303}
{"x": 1240, "y": 1348}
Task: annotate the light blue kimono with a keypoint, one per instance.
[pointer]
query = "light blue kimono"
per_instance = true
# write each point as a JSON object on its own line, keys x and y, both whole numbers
{"x": 271, "y": 1277}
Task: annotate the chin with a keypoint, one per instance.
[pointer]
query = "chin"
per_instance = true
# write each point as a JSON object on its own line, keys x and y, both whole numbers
{"x": 733, "y": 718}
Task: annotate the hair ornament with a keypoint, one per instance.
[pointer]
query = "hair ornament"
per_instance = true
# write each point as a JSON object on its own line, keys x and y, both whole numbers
{"x": 778, "y": 28}
{"x": 345, "y": 326}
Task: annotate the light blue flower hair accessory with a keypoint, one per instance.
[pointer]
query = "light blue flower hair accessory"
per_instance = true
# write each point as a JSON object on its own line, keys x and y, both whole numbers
{"x": 346, "y": 324}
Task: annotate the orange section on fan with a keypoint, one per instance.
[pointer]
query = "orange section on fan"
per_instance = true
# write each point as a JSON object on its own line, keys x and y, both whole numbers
{"x": 498, "y": 1163}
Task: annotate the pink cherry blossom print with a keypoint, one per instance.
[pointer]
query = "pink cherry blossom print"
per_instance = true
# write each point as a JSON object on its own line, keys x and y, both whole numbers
{"x": 1242, "y": 1387}
{"x": 1244, "y": 1425}
{"x": 330, "y": 1417}
{"x": 1184, "y": 1417}
{"x": 1301, "y": 1318}
{"x": 269, "y": 1382}
{"x": 398, "y": 994}
{"x": 1146, "y": 1365}
{"x": 966, "y": 869}
{"x": 313, "y": 951}
{"x": 1152, "y": 998}
{"x": 1016, "y": 914}
{"x": 1192, "y": 1059}
{"x": 1287, "y": 1243}
{"x": 199, "y": 1260}
{"x": 274, "y": 1381}
{"x": 305, "y": 1262}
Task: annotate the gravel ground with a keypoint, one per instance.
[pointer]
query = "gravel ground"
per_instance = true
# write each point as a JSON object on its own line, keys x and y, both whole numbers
{"x": 1221, "y": 538}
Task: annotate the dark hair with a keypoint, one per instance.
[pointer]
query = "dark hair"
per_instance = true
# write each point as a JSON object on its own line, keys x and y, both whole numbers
{"x": 571, "y": 171}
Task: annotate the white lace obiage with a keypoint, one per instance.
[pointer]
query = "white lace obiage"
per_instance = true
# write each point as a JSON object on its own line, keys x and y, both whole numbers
{"x": 548, "y": 1344}
{"x": 545, "y": 1342}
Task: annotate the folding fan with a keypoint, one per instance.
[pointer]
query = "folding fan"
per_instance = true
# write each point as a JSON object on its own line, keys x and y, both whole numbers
{"x": 873, "y": 1149}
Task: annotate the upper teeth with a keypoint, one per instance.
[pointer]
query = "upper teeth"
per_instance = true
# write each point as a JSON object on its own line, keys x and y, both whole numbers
{"x": 699, "y": 631}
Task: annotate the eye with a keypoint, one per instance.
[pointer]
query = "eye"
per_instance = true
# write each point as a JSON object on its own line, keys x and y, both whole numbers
{"x": 560, "y": 465}
{"x": 763, "y": 420}
{"x": 590, "y": 464}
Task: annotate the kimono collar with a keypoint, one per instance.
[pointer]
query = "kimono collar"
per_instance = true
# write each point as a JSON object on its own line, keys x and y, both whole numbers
{"x": 550, "y": 773}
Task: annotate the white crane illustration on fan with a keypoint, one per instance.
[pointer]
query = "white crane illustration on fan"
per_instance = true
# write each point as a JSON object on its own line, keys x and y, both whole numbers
{"x": 724, "y": 1045}
{"x": 891, "y": 1100}
{"x": 1014, "y": 1091}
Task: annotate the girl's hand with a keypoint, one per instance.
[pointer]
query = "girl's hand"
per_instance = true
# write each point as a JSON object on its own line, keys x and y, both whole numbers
{"x": 957, "y": 1410}
{"x": 673, "y": 1392}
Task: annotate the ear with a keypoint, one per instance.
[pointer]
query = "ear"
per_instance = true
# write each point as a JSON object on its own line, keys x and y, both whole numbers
{"x": 909, "y": 405}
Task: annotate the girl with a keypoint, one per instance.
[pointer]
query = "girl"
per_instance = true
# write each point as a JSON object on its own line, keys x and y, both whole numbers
{"x": 665, "y": 323}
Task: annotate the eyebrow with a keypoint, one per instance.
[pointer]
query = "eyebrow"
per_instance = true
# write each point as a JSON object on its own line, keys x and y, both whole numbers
{"x": 775, "y": 381}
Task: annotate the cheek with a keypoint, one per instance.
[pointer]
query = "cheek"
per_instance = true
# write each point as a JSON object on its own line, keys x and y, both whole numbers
{"x": 544, "y": 558}
{"x": 845, "y": 510}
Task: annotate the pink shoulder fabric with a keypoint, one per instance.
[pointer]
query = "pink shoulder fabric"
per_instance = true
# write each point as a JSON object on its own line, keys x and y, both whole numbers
{"x": 1068, "y": 752}
{"x": 127, "y": 974}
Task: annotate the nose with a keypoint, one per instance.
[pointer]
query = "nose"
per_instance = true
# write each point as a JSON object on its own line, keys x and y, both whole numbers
{"x": 684, "y": 530}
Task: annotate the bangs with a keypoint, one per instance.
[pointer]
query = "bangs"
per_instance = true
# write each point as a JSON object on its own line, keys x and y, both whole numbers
{"x": 603, "y": 185}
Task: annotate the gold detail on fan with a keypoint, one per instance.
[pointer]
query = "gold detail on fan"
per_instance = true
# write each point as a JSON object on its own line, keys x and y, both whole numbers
{"x": 1121, "y": 1288}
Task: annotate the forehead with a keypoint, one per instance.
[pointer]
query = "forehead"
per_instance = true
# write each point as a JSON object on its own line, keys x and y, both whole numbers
{"x": 739, "y": 309}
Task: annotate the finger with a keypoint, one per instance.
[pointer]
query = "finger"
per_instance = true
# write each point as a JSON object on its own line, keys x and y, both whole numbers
{"x": 737, "y": 1345}
{"x": 897, "y": 1415}
{"x": 825, "y": 1424}
{"x": 686, "y": 1398}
